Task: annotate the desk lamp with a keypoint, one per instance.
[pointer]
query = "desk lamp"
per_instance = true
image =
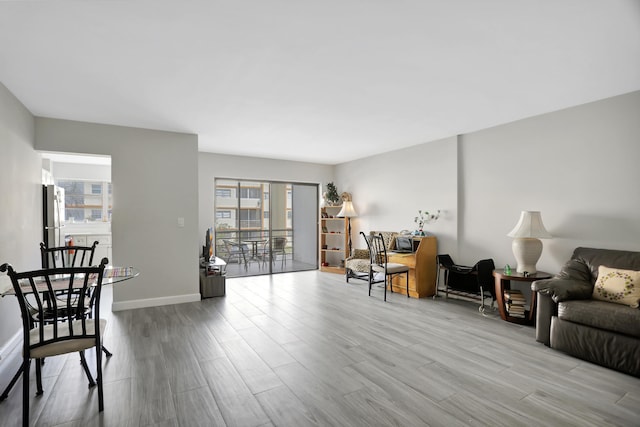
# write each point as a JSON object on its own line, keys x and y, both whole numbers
{"x": 526, "y": 245}
{"x": 348, "y": 212}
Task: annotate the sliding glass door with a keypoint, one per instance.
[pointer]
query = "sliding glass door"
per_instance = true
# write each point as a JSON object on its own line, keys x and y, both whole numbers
{"x": 266, "y": 227}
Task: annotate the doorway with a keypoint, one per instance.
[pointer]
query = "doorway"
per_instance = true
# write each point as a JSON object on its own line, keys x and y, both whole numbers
{"x": 84, "y": 207}
{"x": 266, "y": 227}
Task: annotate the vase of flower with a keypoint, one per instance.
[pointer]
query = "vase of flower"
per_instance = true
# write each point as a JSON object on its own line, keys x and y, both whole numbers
{"x": 424, "y": 217}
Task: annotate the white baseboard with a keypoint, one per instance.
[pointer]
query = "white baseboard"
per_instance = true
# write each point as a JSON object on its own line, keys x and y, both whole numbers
{"x": 9, "y": 346}
{"x": 154, "y": 302}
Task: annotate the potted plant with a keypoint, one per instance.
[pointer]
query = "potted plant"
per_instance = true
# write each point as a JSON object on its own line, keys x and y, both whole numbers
{"x": 332, "y": 194}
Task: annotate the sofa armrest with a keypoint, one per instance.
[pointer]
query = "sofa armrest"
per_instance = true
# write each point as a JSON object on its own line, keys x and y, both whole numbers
{"x": 545, "y": 310}
{"x": 561, "y": 289}
{"x": 550, "y": 293}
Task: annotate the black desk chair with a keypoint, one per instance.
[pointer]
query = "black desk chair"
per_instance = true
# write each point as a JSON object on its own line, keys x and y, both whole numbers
{"x": 379, "y": 263}
{"x": 61, "y": 327}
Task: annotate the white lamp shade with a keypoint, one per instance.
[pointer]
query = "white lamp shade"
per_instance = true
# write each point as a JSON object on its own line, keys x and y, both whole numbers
{"x": 347, "y": 210}
{"x": 530, "y": 225}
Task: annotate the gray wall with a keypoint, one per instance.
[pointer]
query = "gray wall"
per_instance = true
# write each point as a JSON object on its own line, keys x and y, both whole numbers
{"x": 389, "y": 189}
{"x": 21, "y": 206}
{"x": 579, "y": 167}
{"x": 155, "y": 182}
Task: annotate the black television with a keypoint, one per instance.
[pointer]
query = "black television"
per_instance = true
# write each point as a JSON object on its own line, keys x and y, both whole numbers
{"x": 207, "y": 249}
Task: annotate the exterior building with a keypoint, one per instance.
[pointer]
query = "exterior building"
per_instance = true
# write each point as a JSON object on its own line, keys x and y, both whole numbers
{"x": 86, "y": 201}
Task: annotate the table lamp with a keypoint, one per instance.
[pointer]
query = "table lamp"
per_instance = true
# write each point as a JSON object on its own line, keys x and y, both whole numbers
{"x": 526, "y": 245}
{"x": 348, "y": 212}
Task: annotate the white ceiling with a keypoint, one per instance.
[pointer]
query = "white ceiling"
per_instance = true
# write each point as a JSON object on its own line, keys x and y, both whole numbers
{"x": 324, "y": 81}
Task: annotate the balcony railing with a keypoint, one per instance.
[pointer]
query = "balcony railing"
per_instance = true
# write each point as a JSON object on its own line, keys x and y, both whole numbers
{"x": 247, "y": 235}
{"x": 250, "y": 223}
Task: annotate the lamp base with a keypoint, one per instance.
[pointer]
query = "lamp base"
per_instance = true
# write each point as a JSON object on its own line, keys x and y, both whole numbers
{"x": 527, "y": 251}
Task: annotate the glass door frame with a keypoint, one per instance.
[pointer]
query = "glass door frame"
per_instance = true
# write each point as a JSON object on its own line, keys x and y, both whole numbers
{"x": 256, "y": 243}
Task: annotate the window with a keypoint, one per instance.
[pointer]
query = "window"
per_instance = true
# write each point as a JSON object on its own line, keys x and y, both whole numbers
{"x": 223, "y": 214}
{"x": 76, "y": 215}
{"x": 223, "y": 192}
{"x": 86, "y": 200}
{"x": 250, "y": 193}
{"x": 250, "y": 218}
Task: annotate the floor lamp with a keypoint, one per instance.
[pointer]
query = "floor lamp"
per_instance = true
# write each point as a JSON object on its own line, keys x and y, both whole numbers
{"x": 348, "y": 212}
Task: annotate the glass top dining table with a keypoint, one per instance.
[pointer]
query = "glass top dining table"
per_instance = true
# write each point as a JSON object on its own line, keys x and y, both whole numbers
{"x": 110, "y": 276}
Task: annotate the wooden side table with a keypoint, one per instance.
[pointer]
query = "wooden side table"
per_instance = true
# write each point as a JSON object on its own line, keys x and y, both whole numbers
{"x": 503, "y": 283}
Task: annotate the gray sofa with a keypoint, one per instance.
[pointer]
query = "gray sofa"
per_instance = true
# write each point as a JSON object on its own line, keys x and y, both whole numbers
{"x": 570, "y": 320}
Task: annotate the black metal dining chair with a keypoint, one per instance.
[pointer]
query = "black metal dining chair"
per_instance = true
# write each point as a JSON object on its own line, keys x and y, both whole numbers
{"x": 67, "y": 328}
{"x": 378, "y": 263}
{"x": 71, "y": 256}
{"x": 67, "y": 256}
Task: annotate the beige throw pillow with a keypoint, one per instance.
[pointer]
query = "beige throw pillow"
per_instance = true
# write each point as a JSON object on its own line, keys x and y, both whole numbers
{"x": 619, "y": 286}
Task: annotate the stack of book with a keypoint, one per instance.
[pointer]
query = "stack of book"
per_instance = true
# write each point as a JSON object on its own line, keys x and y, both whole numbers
{"x": 514, "y": 302}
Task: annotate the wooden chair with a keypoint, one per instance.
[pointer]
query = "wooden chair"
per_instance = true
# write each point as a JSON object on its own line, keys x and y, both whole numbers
{"x": 379, "y": 263}
{"x": 61, "y": 327}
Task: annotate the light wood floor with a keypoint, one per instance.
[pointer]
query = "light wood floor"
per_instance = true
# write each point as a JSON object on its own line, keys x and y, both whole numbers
{"x": 300, "y": 349}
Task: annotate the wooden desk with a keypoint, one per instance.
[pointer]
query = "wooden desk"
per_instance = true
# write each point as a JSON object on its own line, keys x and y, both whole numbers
{"x": 422, "y": 265}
